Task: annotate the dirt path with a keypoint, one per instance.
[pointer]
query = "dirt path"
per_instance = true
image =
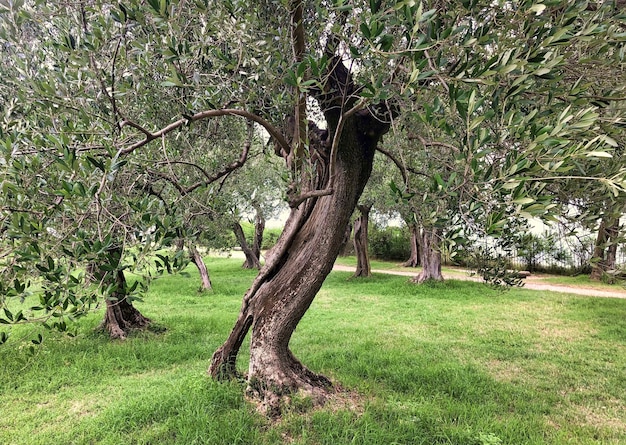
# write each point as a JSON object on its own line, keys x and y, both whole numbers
{"x": 533, "y": 283}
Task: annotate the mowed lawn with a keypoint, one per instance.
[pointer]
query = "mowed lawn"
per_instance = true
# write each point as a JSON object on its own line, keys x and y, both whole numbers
{"x": 445, "y": 363}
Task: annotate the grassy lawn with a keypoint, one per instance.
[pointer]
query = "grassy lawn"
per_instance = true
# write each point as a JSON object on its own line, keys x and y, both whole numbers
{"x": 446, "y": 363}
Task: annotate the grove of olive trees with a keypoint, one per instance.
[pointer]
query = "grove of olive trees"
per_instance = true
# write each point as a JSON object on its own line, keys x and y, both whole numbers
{"x": 126, "y": 125}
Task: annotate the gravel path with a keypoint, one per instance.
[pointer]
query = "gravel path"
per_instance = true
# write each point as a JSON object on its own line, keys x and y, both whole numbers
{"x": 529, "y": 283}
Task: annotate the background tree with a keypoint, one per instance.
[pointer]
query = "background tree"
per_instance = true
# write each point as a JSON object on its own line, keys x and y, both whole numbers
{"x": 503, "y": 121}
{"x": 75, "y": 79}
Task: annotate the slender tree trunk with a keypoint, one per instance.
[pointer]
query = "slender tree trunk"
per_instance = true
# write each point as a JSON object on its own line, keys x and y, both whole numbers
{"x": 363, "y": 267}
{"x": 259, "y": 228}
{"x": 304, "y": 254}
{"x": 197, "y": 259}
{"x": 605, "y": 250}
{"x": 414, "y": 259}
{"x": 252, "y": 261}
{"x": 430, "y": 256}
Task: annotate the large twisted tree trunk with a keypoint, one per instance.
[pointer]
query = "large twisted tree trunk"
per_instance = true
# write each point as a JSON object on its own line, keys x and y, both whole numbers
{"x": 304, "y": 254}
{"x": 363, "y": 267}
{"x": 430, "y": 256}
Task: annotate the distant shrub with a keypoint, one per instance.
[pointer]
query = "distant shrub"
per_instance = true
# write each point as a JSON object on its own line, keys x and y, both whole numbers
{"x": 270, "y": 236}
{"x": 389, "y": 243}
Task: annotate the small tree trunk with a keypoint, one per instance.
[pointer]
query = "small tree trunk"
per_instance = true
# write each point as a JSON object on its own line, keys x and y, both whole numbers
{"x": 259, "y": 228}
{"x": 252, "y": 261}
{"x": 345, "y": 242}
{"x": 363, "y": 267}
{"x": 121, "y": 316}
{"x": 430, "y": 256}
{"x": 414, "y": 259}
{"x": 197, "y": 259}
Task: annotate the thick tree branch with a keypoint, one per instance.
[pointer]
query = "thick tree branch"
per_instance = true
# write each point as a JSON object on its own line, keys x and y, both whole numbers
{"x": 297, "y": 35}
{"x": 293, "y": 203}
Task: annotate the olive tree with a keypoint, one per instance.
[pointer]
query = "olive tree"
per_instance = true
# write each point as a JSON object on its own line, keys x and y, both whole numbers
{"x": 326, "y": 80}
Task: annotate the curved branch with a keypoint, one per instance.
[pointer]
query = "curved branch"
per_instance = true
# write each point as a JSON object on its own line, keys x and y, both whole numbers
{"x": 273, "y": 131}
{"x": 400, "y": 165}
{"x": 426, "y": 143}
{"x": 209, "y": 178}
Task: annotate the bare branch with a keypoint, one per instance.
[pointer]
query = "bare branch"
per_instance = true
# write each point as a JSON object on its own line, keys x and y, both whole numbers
{"x": 209, "y": 179}
{"x": 400, "y": 165}
{"x": 273, "y": 131}
{"x": 426, "y": 143}
{"x": 136, "y": 126}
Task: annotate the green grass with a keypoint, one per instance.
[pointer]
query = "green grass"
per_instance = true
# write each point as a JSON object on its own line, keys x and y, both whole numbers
{"x": 444, "y": 363}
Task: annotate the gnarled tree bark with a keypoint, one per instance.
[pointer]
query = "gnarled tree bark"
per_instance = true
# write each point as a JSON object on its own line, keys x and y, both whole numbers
{"x": 414, "y": 259}
{"x": 430, "y": 255}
